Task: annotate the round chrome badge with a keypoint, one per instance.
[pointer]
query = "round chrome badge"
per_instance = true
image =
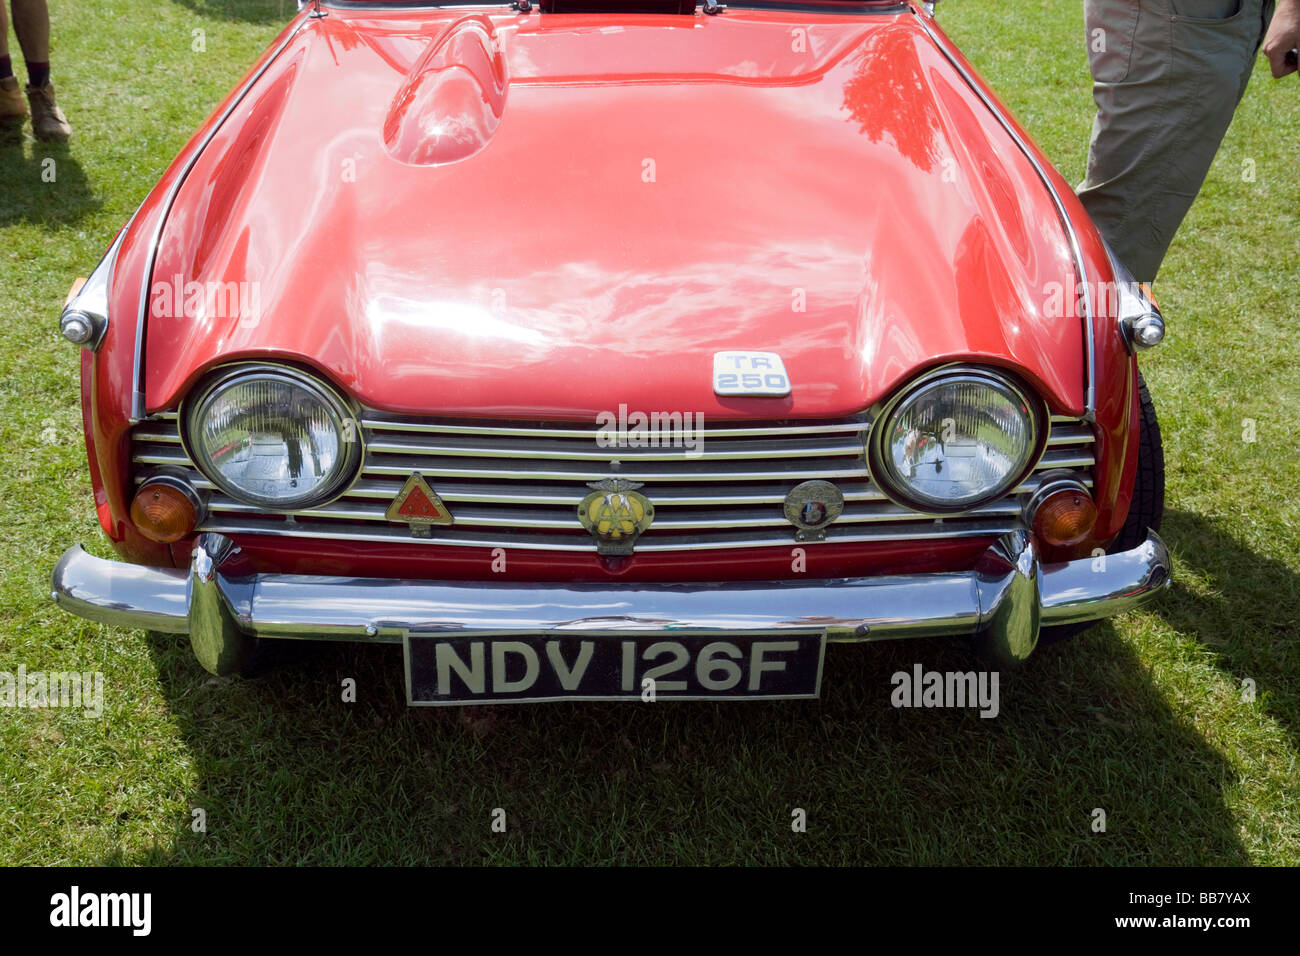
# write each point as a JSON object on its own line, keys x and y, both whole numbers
{"x": 811, "y": 506}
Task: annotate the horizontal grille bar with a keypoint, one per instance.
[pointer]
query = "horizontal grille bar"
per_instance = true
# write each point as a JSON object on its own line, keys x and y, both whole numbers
{"x": 562, "y": 519}
{"x": 566, "y": 450}
{"x": 373, "y": 423}
{"x": 792, "y": 471}
{"x": 666, "y": 496}
{"x": 460, "y": 537}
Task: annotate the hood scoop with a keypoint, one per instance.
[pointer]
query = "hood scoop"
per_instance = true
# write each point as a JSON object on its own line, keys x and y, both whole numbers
{"x": 451, "y": 103}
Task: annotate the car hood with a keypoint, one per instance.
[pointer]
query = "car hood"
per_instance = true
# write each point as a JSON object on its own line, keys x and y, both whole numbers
{"x": 549, "y": 216}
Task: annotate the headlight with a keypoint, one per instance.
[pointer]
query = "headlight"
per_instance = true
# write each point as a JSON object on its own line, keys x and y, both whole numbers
{"x": 955, "y": 439}
{"x": 273, "y": 437}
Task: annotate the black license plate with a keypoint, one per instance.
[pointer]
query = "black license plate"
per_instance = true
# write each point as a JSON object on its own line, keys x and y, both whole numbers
{"x": 458, "y": 669}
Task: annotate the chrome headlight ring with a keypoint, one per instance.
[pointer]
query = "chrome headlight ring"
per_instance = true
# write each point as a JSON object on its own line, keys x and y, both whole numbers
{"x": 323, "y": 447}
{"x": 903, "y": 489}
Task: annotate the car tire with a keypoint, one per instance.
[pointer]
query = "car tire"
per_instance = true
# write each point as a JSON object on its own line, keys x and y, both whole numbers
{"x": 1148, "y": 505}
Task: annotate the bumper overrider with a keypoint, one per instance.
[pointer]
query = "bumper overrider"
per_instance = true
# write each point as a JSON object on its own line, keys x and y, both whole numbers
{"x": 1004, "y": 601}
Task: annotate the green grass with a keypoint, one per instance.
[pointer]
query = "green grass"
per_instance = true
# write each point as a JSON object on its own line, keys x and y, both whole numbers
{"x": 1142, "y": 717}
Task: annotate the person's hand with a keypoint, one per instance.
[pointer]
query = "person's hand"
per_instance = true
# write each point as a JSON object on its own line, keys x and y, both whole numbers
{"x": 1283, "y": 37}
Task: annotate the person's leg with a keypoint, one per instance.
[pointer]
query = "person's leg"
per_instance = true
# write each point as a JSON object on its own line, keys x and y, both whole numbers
{"x": 1168, "y": 75}
{"x": 12, "y": 106}
{"x": 4, "y": 41}
{"x": 32, "y": 24}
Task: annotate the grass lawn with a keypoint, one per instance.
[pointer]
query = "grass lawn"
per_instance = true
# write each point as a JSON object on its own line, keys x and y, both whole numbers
{"x": 1143, "y": 717}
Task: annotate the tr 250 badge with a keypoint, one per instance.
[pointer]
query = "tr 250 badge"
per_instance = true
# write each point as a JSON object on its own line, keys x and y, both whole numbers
{"x": 750, "y": 373}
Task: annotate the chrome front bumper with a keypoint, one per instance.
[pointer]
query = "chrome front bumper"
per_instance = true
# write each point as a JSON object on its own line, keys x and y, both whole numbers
{"x": 1004, "y": 601}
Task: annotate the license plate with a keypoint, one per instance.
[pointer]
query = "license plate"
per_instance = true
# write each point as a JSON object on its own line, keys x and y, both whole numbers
{"x": 444, "y": 669}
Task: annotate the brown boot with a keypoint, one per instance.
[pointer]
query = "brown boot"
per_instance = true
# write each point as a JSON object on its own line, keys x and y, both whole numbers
{"x": 12, "y": 108}
{"x": 48, "y": 121}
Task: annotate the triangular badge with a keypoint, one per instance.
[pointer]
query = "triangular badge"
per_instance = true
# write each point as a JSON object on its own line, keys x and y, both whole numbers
{"x": 419, "y": 506}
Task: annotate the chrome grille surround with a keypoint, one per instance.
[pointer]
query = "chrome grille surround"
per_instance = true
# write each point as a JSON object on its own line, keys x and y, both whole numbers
{"x": 518, "y": 484}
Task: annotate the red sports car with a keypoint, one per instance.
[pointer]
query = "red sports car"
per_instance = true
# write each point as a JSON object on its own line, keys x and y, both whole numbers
{"x": 592, "y": 348}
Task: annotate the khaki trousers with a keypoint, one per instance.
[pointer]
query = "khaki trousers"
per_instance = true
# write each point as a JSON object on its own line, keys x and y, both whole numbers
{"x": 1168, "y": 75}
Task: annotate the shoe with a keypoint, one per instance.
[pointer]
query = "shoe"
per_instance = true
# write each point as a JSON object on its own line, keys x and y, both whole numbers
{"x": 48, "y": 121}
{"x": 12, "y": 108}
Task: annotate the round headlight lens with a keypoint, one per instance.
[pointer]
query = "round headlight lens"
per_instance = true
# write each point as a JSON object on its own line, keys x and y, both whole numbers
{"x": 273, "y": 438}
{"x": 957, "y": 441}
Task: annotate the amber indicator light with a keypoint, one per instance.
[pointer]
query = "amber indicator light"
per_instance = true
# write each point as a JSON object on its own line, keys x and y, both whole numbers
{"x": 1065, "y": 518}
{"x": 163, "y": 513}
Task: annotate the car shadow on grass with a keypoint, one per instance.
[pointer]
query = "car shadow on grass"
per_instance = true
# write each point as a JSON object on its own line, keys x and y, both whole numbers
{"x": 1245, "y": 608}
{"x": 41, "y": 183}
{"x": 289, "y": 773}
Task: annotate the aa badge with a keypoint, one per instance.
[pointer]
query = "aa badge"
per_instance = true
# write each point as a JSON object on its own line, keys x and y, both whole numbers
{"x": 615, "y": 514}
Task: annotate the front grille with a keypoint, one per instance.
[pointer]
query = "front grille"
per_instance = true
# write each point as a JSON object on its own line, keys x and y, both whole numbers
{"x": 518, "y": 485}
